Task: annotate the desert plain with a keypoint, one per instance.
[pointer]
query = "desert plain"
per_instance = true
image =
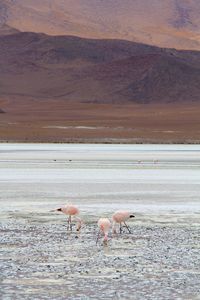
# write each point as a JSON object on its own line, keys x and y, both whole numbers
{"x": 57, "y": 120}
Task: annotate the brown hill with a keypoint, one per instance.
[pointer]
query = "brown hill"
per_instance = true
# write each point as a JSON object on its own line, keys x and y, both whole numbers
{"x": 165, "y": 23}
{"x": 6, "y": 30}
{"x": 103, "y": 71}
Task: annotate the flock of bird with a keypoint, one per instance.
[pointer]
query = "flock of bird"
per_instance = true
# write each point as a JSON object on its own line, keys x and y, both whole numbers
{"x": 119, "y": 218}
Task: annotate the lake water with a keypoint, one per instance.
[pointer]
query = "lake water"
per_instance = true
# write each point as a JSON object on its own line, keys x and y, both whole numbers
{"x": 147, "y": 179}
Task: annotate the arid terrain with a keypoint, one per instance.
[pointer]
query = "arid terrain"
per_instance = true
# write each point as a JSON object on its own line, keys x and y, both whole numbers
{"x": 96, "y": 71}
{"x": 60, "y": 121}
{"x": 165, "y": 23}
{"x": 64, "y": 88}
{"x": 68, "y": 89}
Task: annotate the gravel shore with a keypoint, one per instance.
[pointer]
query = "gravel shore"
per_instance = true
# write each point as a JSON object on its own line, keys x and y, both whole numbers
{"x": 39, "y": 259}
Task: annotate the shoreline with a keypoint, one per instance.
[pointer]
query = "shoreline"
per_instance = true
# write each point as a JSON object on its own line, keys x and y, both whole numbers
{"x": 103, "y": 141}
{"x": 40, "y": 259}
{"x": 72, "y": 266}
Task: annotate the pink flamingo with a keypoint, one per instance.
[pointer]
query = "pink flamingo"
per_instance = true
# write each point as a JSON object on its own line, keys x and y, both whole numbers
{"x": 120, "y": 217}
{"x": 71, "y": 210}
{"x": 104, "y": 227}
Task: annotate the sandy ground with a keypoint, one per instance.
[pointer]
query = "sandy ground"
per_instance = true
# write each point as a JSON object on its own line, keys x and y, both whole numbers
{"x": 41, "y": 120}
{"x": 39, "y": 259}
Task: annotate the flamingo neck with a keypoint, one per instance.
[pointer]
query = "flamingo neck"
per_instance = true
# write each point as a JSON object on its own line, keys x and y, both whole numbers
{"x": 79, "y": 224}
{"x": 105, "y": 237}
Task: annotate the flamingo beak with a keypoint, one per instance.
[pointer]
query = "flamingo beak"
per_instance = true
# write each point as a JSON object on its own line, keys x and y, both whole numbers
{"x": 59, "y": 209}
{"x": 132, "y": 216}
{"x": 78, "y": 228}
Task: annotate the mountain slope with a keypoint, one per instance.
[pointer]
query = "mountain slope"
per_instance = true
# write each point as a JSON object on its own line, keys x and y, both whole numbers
{"x": 166, "y": 23}
{"x": 103, "y": 71}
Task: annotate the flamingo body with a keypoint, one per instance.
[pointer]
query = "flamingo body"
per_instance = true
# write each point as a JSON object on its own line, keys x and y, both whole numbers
{"x": 104, "y": 226}
{"x": 120, "y": 217}
{"x": 71, "y": 210}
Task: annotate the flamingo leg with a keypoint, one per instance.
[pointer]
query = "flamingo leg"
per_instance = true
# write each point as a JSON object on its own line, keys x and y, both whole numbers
{"x": 98, "y": 235}
{"x": 70, "y": 222}
{"x": 128, "y": 228}
{"x": 120, "y": 228}
{"x": 114, "y": 228}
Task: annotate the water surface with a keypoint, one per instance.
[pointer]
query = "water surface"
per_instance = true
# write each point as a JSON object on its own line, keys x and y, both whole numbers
{"x": 100, "y": 178}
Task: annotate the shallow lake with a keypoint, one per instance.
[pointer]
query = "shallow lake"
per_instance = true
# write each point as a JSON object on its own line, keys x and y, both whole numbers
{"x": 100, "y": 178}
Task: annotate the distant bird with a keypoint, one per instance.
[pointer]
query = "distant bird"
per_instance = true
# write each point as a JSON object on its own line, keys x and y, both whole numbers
{"x": 120, "y": 217}
{"x": 71, "y": 211}
{"x": 104, "y": 225}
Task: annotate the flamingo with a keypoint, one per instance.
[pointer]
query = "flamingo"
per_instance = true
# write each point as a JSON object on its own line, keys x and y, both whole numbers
{"x": 104, "y": 225}
{"x": 71, "y": 210}
{"x": 120, "y": 217}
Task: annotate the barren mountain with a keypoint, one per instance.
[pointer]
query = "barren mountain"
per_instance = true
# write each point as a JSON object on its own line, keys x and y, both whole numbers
{"x": 96, "y": 87}
{"x": 102, "y": 71}
{"x": 165, "y": 23}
